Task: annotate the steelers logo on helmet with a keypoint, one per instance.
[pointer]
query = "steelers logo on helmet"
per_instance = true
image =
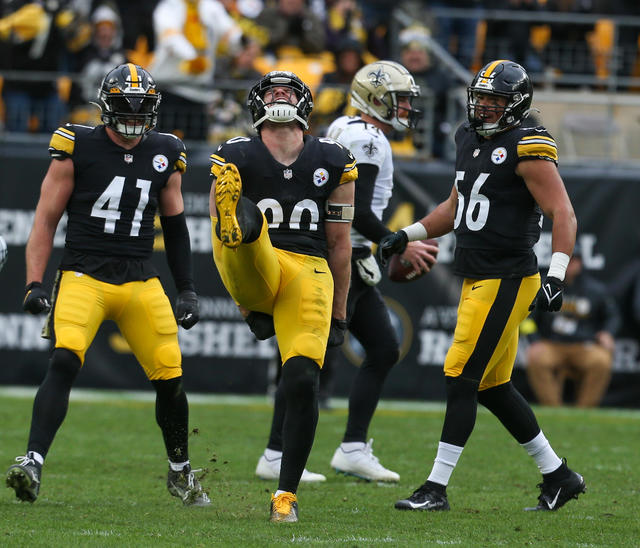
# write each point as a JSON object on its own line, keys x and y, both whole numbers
{"x": 504, "y": 79}
{"x": 385, "y": 91}
{"x": 129, "y": 100}
{"x": 280, "y": 97}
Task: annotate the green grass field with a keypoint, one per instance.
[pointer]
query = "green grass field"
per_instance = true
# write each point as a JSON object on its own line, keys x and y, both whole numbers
{"x": 104, "y": 480}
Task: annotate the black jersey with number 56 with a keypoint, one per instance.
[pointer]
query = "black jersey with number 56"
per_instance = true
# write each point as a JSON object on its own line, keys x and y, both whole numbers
{"x": 497, "y": 220}
{"x": 292, "y": 198}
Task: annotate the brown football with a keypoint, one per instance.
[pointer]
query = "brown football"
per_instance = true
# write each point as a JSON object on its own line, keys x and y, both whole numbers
{"x": 401, "y": 271}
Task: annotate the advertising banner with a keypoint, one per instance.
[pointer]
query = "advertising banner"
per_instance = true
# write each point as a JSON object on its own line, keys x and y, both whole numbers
{"x": 220, "y": 354}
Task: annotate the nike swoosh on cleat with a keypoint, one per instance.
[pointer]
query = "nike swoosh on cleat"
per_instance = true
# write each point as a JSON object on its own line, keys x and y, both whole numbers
{"x": 476, "y": 287}
{"x": 552, "y": 504}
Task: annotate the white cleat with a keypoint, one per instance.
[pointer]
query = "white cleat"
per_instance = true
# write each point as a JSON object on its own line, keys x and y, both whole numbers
{"x": 269, "y": 469}
{"x": 357, "y": 459}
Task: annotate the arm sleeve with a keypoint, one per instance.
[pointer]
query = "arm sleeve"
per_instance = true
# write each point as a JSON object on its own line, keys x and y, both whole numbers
{"x": 178, "y": 249}
{"x": 365, "y": 220}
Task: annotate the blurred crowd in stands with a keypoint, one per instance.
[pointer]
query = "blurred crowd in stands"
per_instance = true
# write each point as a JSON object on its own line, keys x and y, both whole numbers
{"x": 205, "y": 54}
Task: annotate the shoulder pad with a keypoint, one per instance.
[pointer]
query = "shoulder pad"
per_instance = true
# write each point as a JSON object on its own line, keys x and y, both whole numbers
{"x": 62, "y": 142}
{"x": 234, "y": 150}
{"x": 178, "y": 150}
{"x": 536, "y": 144}
{"x": 341, "y": 157}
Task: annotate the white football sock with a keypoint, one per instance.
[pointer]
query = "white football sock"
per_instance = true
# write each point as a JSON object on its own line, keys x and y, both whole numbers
{"x": 444, "y": 463}
{"x": 540, "y": 449}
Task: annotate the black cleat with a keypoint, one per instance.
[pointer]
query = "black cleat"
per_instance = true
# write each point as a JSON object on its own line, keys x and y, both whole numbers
{"x": 186, "y": 487}
{"x": 24, "y": 478}
{"x": 555, "y": 494}
{"x": 424, "y": 498}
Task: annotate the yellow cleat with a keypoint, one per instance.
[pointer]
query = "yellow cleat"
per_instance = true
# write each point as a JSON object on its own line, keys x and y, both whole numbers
{"x": 284, "y": 508}
{"x": 228, "y": 192}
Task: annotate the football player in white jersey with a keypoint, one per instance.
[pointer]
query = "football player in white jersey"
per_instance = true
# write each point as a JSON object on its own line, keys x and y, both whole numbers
{"x": 382, "y": 92}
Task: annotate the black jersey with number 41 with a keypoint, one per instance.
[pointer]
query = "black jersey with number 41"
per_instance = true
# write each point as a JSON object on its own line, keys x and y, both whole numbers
{"x": 115, "y": 196}
{"x": 293, "y": 198}
{"x": 497, "y": 220}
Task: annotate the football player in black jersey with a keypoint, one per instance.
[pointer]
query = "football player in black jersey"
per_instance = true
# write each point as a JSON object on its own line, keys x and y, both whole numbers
{"x": 506, "y": 178}
{"x": 281, "y": 210}
{"x": 111, "y": 180}
{"x": 382, "y": 92}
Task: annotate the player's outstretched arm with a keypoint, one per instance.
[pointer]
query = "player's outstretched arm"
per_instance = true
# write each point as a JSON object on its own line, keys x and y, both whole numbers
{"x": 55, "y": 192}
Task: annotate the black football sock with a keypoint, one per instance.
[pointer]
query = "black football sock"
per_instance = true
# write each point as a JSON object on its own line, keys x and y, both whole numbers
{"x": 52, "y": 400}
{"x": 172, "y": 416}
{"x": 513, "y": 411}
{"x": 462, "y": 406}
{"x": 300, "y": 377}
{"x": 277, "y": 421}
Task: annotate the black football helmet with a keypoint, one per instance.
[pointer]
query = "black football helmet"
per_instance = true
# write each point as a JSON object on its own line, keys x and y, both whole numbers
{"x": 505, "y": 79}
{"x": 129, "y": 100}
{"x": 296, "y": 108}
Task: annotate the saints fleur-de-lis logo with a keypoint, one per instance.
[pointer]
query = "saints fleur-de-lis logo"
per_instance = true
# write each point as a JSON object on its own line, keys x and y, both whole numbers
{"x": 370, "y": 149}
{"x": 378, "y": 77}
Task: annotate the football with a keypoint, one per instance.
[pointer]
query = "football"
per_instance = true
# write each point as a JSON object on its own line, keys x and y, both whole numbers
{"x": 401, "y": 271}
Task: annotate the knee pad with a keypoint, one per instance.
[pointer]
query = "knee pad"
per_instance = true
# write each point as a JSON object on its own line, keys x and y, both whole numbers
{"x": 168, "y": 389}
{"x": 459, "y": 388}
{"x": 72, "y": 338}
{"x": 167, "y": 362}
{"x": 309, "y": 346}
{"x": 65, "y": 363}
{"x": 300, "y": 378}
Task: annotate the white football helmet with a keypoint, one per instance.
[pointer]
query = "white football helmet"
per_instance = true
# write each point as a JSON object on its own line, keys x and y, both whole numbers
{"x": 375, "y": 90}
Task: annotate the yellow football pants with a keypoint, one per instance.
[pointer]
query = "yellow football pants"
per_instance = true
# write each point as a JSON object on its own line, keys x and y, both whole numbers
{"x": 485, "y": 341}
{"x": 296, "y": 289}
{"x": 141, "y": 311}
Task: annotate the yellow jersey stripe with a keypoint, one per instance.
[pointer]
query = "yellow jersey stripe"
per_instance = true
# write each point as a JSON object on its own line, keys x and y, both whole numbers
{"x": 349, "y": 166}
{"x": 62, "y": 142}
{"x": 350, "y": 175}
{"x": 216, "y": 164}
{"x": 135, "y": 81}
{"x": 529, "y": 138}
{"x": 543, "y": 150}
{"x": 64, "y": 130}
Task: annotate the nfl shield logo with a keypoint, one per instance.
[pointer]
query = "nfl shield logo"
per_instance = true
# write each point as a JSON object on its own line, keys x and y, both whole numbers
{"x": 128, "y": 158}
{"x": 287, "y": 173}
{"x": 476, "y": 152}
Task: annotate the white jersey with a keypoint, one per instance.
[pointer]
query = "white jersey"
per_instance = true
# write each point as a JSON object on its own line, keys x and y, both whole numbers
{"x": 368, "y": 145}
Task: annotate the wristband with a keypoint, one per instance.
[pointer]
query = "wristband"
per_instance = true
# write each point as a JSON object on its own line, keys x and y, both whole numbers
{"x": 416, "y": 231}
{"x": 558, "y": 265}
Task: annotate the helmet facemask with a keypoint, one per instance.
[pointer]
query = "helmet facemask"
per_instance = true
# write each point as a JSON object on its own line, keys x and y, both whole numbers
{"x": 131, "y": 115}
{"x": 129, "y": 101}
{"x": 506, "y": 118}
{"x": 280, "y": 97}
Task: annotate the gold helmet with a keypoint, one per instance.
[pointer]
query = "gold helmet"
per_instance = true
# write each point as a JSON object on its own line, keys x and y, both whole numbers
{"x": 375, "y": 90}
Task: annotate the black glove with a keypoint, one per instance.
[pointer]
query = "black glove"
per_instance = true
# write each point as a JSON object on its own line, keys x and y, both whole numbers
{"x": 187, "y": 310}
{"x": 261, "y": 325}
{"x": 549, "y": 295}
{"x": 336, "y": 332}
{"x": 392, "y": 244}
{"x": 36, "y": 299}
